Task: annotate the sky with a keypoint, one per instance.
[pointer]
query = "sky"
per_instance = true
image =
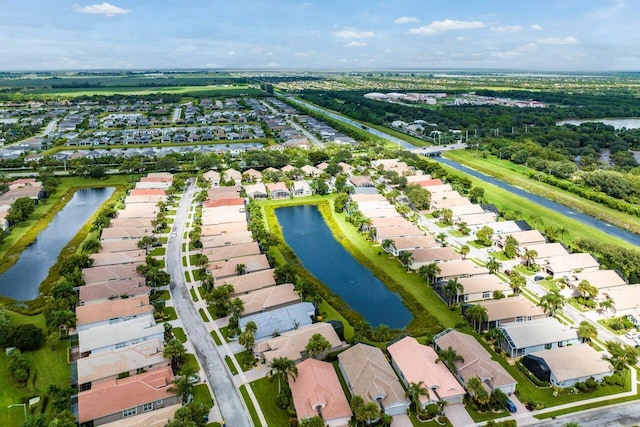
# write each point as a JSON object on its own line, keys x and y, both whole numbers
{"x": 540, "y": 35}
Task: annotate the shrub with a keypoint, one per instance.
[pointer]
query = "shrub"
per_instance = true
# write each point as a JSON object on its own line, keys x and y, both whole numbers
{"x": 591, "y": 384}
{"x": 282, "y": 401}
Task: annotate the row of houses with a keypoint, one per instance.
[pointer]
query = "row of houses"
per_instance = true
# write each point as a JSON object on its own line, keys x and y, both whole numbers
{"x": 118, "y": 365}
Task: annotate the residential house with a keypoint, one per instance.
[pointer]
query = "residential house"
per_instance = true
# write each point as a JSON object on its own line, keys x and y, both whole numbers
{"x": 543, "y": 251}
{"x": 232, "y": 175}
{"x": 112, "y": 290}
{"x": 227, "y": 252}
{"x": 118, "y": 335}
{"x": 522, "y": 338}
{"x": 565, "y": 366}
{"x": 109, "y": 365}
{"x": 113, "y": 311}
{"x": 252, "y": 175}
{"x": 291, "y": 344}
{"x": 226, "y": 268}
{"x": 269, "y": 298}
{"x": 301, "y": 189}
{"x": 405, "y": 230}
{"x": 256, "y": 191}
{"x": 317, "y": 392}
{"x": 475, "y": 362}
{"x": 425, "y": 256}
{"x": 568, "y": 264}
{"x": 278, "y": 190}
{"x": 524, "y": 238}
{"x": 125, "y": 257}
{"x": 213, "y": 177}
{"x": 108, "y": 273}
{"x": 280, "y": 320}
{"x": 458, "y": 269}
{"x": 601, "y": 279}
{"x": 361, "y": 181}
{"x": 369, "y": 375}
{"x": 402, "y": 244}
{"x": 311, "y": 171}
{"x": 626, "y": 301}
{"x": 249, "y": 282}
{"x": 416, "y": 363}
{"x": 506, "y": 310}
{"x": 482, "y": 287}
{"x": 125, "y": 398}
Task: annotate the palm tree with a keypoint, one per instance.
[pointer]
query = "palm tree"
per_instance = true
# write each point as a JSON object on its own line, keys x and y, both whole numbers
{"x": 388, "y": 245}
{"x": 317, "y": 346}
{"x": 606, "y": 305}
{"x": 551, "y": 302}
{"x": 241, "y": 269}
{"x": 447, "y": 216}
{"x": 476, "y": 389}
{"x": 463, "y": 228}
{"x": 449, "y": 356}
{"x": 452, "y": 289}
{"x": 283, "y": 368}
{"x": 175, "y": 351}
{"x": 587, "y": 290}
{"x": 92, "y": 245}
{"x": 621, "y": 355}
{"x": 405, "y": 258}
{"x": 200, "y": 261}
{"x": 429, "y": 272}
{"x": 529, "y": 256}
{"x": 587, "y": 331}
{"x": 478, "y": 315}
{"x": 442, "y": 238}
{"x": 182, "y": 387}
{"x": 493, "y": 265}
{"x": 368, "y": 412}
{"x": 414, "y": 391}
{"x": 464, "y": 251}
{"x": 146, "y": 243}
{"x": 381, "y": 332}
{"x": 248, "y": 337}
{"x": 517, "y": 281}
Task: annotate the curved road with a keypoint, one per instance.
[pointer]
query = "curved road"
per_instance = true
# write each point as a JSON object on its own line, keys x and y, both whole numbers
{"x": 229, "y": 401}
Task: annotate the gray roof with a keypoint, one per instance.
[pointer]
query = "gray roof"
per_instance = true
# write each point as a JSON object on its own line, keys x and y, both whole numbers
{"x": 280, "y": 320}
{"x": 538, "y": 332}
{"x": 574, "y": 362}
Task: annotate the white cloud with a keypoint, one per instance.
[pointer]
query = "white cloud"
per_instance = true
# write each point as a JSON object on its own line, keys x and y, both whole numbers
{"x": 105, "y": 9}
{"x": 356, "y": 44}
{"x": 231, "y": 52}
{"x": 406, "y": 20}
{"x": 302, "y": 54}
{"x": 460, "y": 39}
{"x": 506, "y": 28}
{"x": 437, "y": 27}
{"x": 352, "y": 34}
{"x": 536, "y": 27}
{"x": 559, "y": 40}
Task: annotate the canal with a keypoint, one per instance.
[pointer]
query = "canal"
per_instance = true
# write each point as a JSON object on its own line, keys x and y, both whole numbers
{"x": 22, "y": 281}
{"x": 306, "y": 232}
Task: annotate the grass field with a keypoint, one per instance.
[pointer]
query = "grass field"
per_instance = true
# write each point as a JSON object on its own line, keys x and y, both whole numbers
{"x": 266, "y": 391}
{"x": 140, "y": 91}
{"x": 517, "y": 175}
{"x": 48, "y": 366}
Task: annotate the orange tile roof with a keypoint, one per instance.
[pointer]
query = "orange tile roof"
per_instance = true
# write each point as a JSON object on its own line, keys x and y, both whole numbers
{"x": 147, "y": 192}
{"x": 117, "y": 395}
{"x": 317, "y": 384}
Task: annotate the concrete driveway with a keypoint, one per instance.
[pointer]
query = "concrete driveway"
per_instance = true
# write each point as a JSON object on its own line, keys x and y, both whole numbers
{"x": 458, "y": 416}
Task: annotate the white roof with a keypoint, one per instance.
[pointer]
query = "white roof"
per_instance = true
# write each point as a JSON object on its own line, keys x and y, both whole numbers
{"x": 538, "y": 332}
{"x": 121, "y": 332}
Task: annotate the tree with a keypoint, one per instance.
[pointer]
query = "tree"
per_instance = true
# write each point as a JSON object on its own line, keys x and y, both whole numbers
{"x": 340, "y": 202}
{"x": 219, "y": 300}
{"x": 368, "y": 413}
{"x": 320, "y": 186}
{"x": 478, "y": 315}
{"x": 493, "y": 265}
{"x": 449, "y": 357}
{"x": 587, "y": 331}
{"x": 552, "y": 302}
{"x": 314, "y": 421}
{"x": 510, "y": 249}
{"x": 451, "y": 290}
{"x": 476, "y": 389}
{"x": 516, "y": 282}
{"x": 361, "y": 330}
{"x": 463, "y": 228}
{"x": 621, "y": 355}
{"x": 476, "y": 195}
{"x": 388, "y": 245}
{"x": 283, "y": 368}
{"x": 529, "y": 256}
{"x": 241, "y": 269}
{"x": 175, "y": 351}
{"x": 200, "y": 261}
{"x": 606, "y": 305}
{"x": 317, "y": 346}
{"x": 19, "y": 368}
{"x": 484, "y": 235}
{"x": 248, "y": 337}
{"x": 442, "y": 238}
{"x": 429, "y": 272}
{"x": 447, "y": 216}
{"x": 405, "y": 258}
{"x": 146, "y": 243}
{"x": 97, "y": 172}
{"x": 464, "y": 251}
{"x": 587, "y": 290}
{"x": 20, "y": 210}
{"x": 182, "y": 387}
{"x": 414, "y": 391}
{"x": 91, "y": 245}
{"x": 381, "y": 332}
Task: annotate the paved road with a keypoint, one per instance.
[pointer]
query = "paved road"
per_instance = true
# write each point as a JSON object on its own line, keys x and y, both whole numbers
{"x": 622, "y": 415}
{"x": 227, "y": 396}
{"x": 177, "y": 112}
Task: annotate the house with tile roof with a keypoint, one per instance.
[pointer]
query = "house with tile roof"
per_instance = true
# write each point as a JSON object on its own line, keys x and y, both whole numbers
{"x": 368, "y": 374}
{"x": 415, "y": 362}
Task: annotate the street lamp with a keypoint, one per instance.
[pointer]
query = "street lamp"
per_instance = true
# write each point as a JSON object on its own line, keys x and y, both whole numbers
{"x": 24, "y": 406}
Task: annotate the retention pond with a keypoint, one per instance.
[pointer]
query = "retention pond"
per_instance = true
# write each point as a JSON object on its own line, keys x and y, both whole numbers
{"x": 22, "y": 281}
{"x": 306, "y": 232}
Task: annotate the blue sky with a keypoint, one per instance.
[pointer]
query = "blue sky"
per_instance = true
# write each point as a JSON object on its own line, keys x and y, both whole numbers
{"x": 540, "y": 35}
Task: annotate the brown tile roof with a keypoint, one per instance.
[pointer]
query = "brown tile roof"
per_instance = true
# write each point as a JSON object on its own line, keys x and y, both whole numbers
{"x": 114, "y": 396}
{"x": 108, "y": 273}
{"x": 268, "y": 298}
{"x": 112, "y": 309}
{"x": 124, "y": 257}
{"x": 291, "y": 344}
{"x": 227, "y": 252}
{"x": 147, "y": 192}
{"x": 114, "y": 289}
{"x": 249, "y": 282}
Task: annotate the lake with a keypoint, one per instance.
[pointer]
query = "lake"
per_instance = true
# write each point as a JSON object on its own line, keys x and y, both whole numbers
{"x": 306, "y": 232}
{"x": 22, "y": 281}
{"x": 627, "y": 122}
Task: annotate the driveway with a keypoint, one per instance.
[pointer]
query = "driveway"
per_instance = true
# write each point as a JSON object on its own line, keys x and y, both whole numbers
{"x": 458, "y": 416}
{"x": 230, "y": 404}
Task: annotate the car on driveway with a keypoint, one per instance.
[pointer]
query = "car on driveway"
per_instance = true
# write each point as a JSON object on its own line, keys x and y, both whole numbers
{"x": 511, "y": 407}
{"x": 538, "y": 278}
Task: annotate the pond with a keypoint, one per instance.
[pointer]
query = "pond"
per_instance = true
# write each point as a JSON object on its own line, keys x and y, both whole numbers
{"x": 626, "y": 122}
{"x": 306, "y": 232}
{"x": 22, "y": 281}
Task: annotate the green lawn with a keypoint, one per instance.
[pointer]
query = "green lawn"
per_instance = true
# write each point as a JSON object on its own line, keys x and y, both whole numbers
{"x": 266, "y": 392}
{"x": 201, "y": 394}
{"x": 215, "y": 337}
{"x": 194, "y": 296}
{"x": 158, "y": 252}
{"x": 203, "y": 315}
{"x": 251, "y": 408}
{"x": 164, "y": 294}
{"x": 232, "y": 367}
{"x": 180, "y": 335}
{"x": 48, "y": 366}
{"x": 197, "y": 274}
{"x": 330, "y": 313}
{"x": 170, "y": 314}
{"x": 191, "y": 362}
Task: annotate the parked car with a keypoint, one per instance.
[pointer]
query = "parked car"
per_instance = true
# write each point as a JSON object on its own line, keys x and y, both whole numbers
{"x": 538, "y": 278}
{"x": 511, "y": 407}
{"x": 631, "y": 335}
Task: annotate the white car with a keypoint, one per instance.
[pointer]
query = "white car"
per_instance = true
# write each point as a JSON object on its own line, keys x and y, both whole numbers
{"x": 174, "y": 234}
{"x": 631, "y": 335}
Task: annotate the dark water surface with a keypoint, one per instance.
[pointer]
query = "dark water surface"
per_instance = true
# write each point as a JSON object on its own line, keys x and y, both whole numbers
{"x": 306, "y": 232}
{"x": 22, "y": 281}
